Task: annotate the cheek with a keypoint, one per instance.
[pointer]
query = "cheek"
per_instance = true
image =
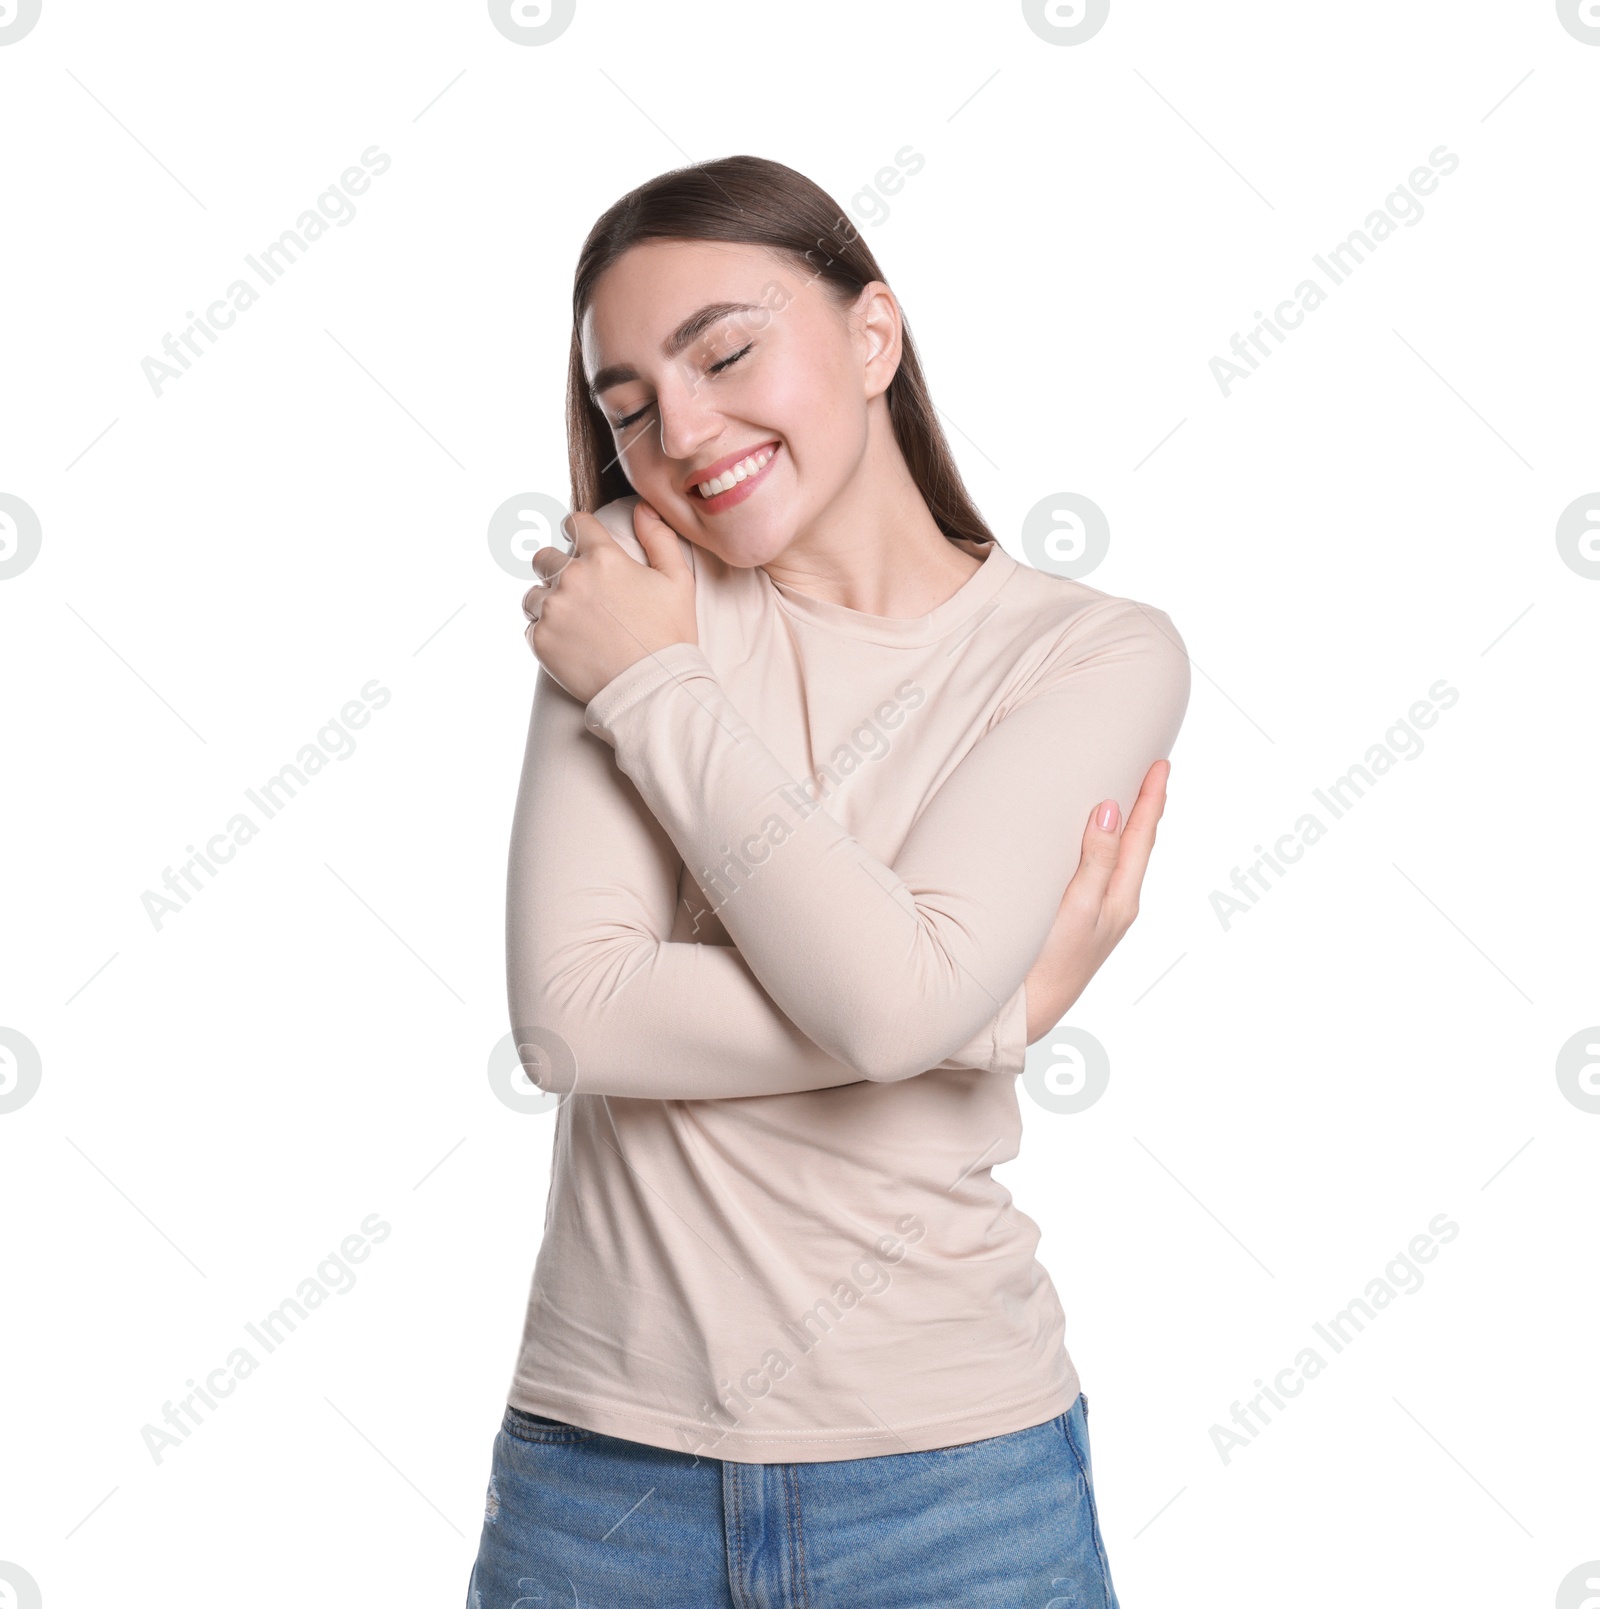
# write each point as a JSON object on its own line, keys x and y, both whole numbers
{"x": 819, "y": 412}
{"x": 641, "y": 458}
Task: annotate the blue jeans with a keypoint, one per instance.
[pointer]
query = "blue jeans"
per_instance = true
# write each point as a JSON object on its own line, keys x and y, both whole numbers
{"x": 577, "y": 1519}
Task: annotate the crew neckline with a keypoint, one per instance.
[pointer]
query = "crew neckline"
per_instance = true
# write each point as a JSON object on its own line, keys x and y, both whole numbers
{"x": 973, "y": 593}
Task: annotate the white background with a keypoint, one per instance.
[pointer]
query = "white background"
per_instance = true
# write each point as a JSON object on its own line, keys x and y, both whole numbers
{"x": 224, "y": 566}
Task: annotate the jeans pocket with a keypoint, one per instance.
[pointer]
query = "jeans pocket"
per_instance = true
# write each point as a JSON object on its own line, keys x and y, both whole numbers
{"x": 525, "y": 1426}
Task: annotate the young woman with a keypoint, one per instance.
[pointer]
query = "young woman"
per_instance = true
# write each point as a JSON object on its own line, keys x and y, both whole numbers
{"x": 820, "y": 826}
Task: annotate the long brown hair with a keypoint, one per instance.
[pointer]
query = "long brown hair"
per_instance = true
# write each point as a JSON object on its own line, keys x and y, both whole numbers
{"x": 752, "y": 200}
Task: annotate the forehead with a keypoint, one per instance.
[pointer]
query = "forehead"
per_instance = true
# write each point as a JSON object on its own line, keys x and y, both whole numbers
{"x": 652, "y": 288}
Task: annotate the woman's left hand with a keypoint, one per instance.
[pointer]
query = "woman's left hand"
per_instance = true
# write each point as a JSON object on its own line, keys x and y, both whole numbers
{"x": 598, "y": 610}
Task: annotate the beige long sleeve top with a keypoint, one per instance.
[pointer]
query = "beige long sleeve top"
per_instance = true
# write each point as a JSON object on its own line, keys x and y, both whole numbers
{"x": 771, "y": 901}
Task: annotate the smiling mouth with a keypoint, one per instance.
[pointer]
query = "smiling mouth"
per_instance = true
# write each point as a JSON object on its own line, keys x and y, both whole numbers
{"x": 737, "y": 481}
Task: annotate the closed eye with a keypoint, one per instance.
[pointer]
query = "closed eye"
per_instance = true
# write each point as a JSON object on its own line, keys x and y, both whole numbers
{"x": 716, "y": 368}
{"x": 727, "y": 363}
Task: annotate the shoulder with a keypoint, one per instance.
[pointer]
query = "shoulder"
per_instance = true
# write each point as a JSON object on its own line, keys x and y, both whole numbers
{"x": 1075, "y": 629}
{"x": 617, "y": 517}
{"x": 1074, "y": 619}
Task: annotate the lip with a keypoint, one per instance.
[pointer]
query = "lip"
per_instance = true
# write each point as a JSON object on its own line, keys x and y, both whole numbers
{"x": 738, "y": 492}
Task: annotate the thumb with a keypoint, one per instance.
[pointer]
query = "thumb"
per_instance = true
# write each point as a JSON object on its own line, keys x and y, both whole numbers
{"x": 659, "y": 541}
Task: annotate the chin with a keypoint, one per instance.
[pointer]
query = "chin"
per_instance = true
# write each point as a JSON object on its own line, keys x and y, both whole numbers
{"x": 743, "y": 549}
{"x": 746, "y": 554}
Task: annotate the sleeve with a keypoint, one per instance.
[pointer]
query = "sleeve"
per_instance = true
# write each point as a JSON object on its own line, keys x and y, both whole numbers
{"x": 890, "y": 970}
{"x": 887, "y": 969}
{"x": 591, "y": 893}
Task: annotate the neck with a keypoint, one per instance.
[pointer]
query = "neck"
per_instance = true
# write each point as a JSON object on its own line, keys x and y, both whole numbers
{"x": 876, "y": 548}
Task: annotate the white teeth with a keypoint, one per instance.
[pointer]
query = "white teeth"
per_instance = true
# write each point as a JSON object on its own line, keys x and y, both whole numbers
{"x": 743, "y": 470}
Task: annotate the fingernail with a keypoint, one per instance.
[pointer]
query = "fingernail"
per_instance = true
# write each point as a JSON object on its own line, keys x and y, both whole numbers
{"x": 1108, "y": 815}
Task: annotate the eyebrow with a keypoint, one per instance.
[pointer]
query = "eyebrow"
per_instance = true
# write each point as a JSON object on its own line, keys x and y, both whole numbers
{"x": 685, "y": 335}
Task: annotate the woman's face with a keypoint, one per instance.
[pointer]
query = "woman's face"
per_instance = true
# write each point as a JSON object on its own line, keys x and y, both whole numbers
{"x": 706, "y": 354}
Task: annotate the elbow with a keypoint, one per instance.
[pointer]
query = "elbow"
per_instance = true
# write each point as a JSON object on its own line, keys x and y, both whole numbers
{"x": 893, "y": 1072}
{"x": 882, "y": 1058}
{"x": 571, "y": 1035}
{"x": 572, "y": 1032}
{"x": 890, "y": 1052}
{"x": 550, "y": 1061}
{"x": 552, "y": 1039}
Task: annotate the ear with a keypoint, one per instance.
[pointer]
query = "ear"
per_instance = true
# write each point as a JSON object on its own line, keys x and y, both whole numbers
{"x": 876, "y": 321}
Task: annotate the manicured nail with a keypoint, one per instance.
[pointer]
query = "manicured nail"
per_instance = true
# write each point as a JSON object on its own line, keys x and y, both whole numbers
{"x": 1108, "y": 815}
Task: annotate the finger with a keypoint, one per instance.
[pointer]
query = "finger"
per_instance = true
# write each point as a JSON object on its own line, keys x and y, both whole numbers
{"x": 1139, "y": 837}
{"x": 549, "y": 562}
{"x": 1098, "y": 859}
{"x": 658, "y": 539}
{"x": 1152, "y": 801}
{"x": 1149, "y": 805}
{"x": 587, "y": 533}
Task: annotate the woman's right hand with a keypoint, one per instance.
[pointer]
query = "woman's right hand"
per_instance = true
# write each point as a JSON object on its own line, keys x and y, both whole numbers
{"x": 1099, "y": 905}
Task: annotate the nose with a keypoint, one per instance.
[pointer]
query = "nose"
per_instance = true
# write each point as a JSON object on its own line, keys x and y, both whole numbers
{"x": 688, "y": 419}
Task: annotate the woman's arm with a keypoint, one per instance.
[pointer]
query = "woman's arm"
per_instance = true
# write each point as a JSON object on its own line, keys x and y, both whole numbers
{"x": 590, "y": 902}
{"x": 889, "y": 970}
